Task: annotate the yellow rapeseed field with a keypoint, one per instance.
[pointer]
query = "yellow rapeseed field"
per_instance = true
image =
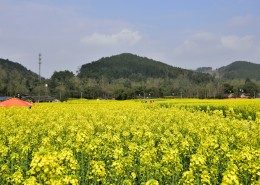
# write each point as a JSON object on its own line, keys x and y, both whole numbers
{"x": 131, "y": 142}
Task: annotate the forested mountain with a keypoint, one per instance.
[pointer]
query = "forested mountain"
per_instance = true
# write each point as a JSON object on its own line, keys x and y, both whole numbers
{"x": 128, "y": 76}
{"x": 240, "y": 70}
{"x": 15, "y": 78}
{"x": 136, "y": 68}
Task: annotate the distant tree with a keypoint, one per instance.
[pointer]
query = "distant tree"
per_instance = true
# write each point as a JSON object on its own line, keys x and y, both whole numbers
{"x": 228, "y": 88}
{"x": 3, "y": 84}
{"x": 63, "y": 84}
{"x": 250, "y": 87}
{"x": 124, "y": 94}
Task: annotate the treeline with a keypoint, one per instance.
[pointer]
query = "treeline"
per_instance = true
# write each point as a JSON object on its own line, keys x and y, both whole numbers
{"x": 66, "y": 85}
{"x": 121, "y": 77}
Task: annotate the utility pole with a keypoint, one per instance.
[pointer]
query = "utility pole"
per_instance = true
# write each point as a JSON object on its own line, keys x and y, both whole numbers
{"x": 40, "y": 55}
{"x": 39, "y": 76}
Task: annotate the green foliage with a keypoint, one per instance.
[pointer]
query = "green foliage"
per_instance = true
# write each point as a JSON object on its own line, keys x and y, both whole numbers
{"x": 64, "y": 84}
{"x": 228, "y": 88}
{"x": 250, "y": 87}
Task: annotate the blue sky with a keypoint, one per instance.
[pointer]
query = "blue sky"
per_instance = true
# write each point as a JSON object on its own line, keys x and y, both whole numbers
{"x": 182, "y": 33}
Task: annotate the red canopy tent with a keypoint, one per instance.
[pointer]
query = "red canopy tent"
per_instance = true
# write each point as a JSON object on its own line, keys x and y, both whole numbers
{"x": 15, "y": 102}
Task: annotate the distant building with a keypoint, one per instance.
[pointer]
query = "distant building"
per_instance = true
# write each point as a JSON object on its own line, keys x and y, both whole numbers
{"x": 243, "y": 95}
{"x": 44, "y": 99}
{"x": 3, "y": 98}
{"x": 232, "y": 95}
{"x": 37, "y": 98}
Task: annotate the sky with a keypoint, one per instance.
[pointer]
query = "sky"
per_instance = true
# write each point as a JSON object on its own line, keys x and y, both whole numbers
{"x": 182, "y": 33}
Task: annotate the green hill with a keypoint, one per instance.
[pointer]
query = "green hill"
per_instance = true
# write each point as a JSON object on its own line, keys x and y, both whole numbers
{"x": 240, "y": 70}
{"x": 136, "y": 68}
{"x": 15, "y": 78}
{"x": 10, "y": 67}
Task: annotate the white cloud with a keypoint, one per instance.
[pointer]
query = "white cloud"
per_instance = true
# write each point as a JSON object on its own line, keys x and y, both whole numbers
{"x": 237, "y": 43}
{"x": 202, "y": 42}
{"x": 198, "y": 44}
{"x": 209, "y": 49}
{"x": 239, "y": 21}
{"x": 124, "y": 37}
